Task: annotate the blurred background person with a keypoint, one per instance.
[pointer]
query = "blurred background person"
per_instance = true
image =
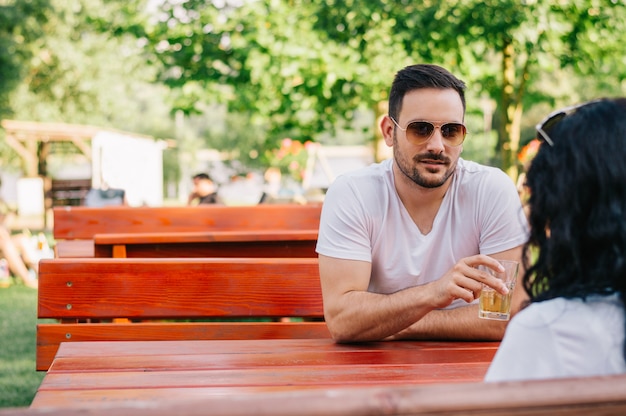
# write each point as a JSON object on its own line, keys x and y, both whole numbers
{"x": 242, "y": 189}
{"x": 16, "y": 253}
{"x": 204, "y": 190}
{"x": 273, "y": 183}
{"x": 19, "y": 252}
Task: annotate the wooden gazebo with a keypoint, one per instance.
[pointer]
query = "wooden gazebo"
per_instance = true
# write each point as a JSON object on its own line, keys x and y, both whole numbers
{"x": 35, "y": 142}
{"x": 32, "y": 141}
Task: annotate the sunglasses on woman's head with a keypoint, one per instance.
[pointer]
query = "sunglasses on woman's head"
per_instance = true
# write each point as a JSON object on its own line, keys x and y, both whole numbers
{"x": 553, "y": 119}
{"x": 419, "y": 132}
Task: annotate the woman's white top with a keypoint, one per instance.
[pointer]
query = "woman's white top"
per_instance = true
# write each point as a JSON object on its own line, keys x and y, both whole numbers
{"x": 562, "y": 338}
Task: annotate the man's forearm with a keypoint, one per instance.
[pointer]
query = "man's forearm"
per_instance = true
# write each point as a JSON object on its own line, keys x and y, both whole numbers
{"x": 369, "y": 316}
{"x": 454, "y": 324}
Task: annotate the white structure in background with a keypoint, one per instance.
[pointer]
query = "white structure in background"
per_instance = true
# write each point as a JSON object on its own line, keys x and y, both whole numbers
{"x": 325, "y": 163}
{"x": 132, "y": 163}
{"x": 30, "y": 197}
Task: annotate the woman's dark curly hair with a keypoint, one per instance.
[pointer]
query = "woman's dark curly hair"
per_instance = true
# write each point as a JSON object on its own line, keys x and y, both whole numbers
{"x": 578, "y": 206}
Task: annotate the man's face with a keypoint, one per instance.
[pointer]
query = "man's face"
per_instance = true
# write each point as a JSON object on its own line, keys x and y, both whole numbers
{"x": 430, "y": 164}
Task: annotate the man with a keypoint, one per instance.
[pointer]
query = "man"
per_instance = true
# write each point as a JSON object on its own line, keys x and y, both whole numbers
{"x": 399, "y": 241}
{"x": 204, "y": 190}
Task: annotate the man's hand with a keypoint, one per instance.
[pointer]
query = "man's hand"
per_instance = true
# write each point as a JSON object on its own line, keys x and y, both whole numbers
{"x": 464, "y": 281}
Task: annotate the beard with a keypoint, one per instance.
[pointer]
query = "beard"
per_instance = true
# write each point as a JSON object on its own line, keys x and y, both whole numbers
{"x": 423, "y": 177}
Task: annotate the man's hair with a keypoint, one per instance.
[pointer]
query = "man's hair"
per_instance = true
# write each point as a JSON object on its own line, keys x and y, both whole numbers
{"x": 420, "y": 76}
{"x": 577, "y": 206}
{"x": 201, "y": 176}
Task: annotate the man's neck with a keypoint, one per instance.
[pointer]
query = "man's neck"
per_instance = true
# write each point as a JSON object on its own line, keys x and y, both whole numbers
{"x": 421, "y": 203}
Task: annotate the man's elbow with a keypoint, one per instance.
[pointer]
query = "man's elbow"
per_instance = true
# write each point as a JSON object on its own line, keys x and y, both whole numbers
{"x": 342, "y": 334}
{"x": 336, "y": 331}
{"x": 344, "y": 338}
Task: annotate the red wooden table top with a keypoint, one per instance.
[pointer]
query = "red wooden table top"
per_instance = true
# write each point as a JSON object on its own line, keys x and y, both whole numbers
{"x": 90, "y": 374}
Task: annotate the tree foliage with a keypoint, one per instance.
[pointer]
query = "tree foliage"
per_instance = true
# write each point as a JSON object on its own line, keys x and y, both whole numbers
{"x": 502, "y": 48}
{"x": 82, "y": 71}
{"x": 274, "y": 69}
{"x": 264, "y": 59}
{"x": 298, "y": 66}
{"x": 20, "y": 25}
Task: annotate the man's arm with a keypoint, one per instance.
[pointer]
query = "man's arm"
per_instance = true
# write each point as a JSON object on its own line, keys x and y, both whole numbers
{"x": 354, "y": 314}
{"x": 463, "y": 323}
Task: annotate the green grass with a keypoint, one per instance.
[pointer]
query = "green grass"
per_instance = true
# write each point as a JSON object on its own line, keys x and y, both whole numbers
{"x": 18, "y": 319}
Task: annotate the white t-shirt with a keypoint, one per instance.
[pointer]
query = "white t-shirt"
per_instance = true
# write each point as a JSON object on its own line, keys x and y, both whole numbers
{"x": 364, "y": 219}
{"x": 562, "y": 338}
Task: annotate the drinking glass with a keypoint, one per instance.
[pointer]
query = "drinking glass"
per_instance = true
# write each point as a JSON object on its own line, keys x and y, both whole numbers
{"x": 492, "y": 304}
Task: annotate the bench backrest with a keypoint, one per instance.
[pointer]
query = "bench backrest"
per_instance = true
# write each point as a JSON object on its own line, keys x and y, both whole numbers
{"x": 89, "y": 296}
{"x": 85, "y": 222}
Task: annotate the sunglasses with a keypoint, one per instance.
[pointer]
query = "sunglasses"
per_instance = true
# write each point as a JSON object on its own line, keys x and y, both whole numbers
{"x": 419, "y": 132}
{"x": 555, "y": 118}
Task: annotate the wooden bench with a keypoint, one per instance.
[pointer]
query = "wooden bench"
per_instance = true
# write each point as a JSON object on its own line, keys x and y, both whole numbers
{"x": 74, "y": 228}
{"x": 236, "y": 243}
{"x": 85, "y": 296}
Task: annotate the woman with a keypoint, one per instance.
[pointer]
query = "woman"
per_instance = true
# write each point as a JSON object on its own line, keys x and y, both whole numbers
{"x": 574, "y": 322}
{"x": 14, "y": 248}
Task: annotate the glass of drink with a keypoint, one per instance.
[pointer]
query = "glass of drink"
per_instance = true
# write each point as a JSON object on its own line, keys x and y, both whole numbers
{"x": 493, "y": 305}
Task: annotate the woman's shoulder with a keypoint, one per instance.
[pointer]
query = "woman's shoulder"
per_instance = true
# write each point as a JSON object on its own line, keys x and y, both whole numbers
{"x": 568, "y": 309}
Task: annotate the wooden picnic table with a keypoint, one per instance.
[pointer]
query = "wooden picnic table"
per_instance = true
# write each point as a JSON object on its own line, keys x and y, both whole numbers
{"x": 115, "y": 373}
{"x": 303, "y": 377}
{"x": 219, "y": 243}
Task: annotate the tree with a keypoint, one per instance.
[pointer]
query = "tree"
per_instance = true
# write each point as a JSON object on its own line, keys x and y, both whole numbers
{"x": 86, "y": 66}
{"x": 81, "y": 71}
{"x": 300, "y": 67}
{"x": 530, "y": 39}
{"x": 269, "y": 60}
{"x": 19, "y": 25}
{"x": 503, "y": 48}
{"x": 295, "y": 68}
